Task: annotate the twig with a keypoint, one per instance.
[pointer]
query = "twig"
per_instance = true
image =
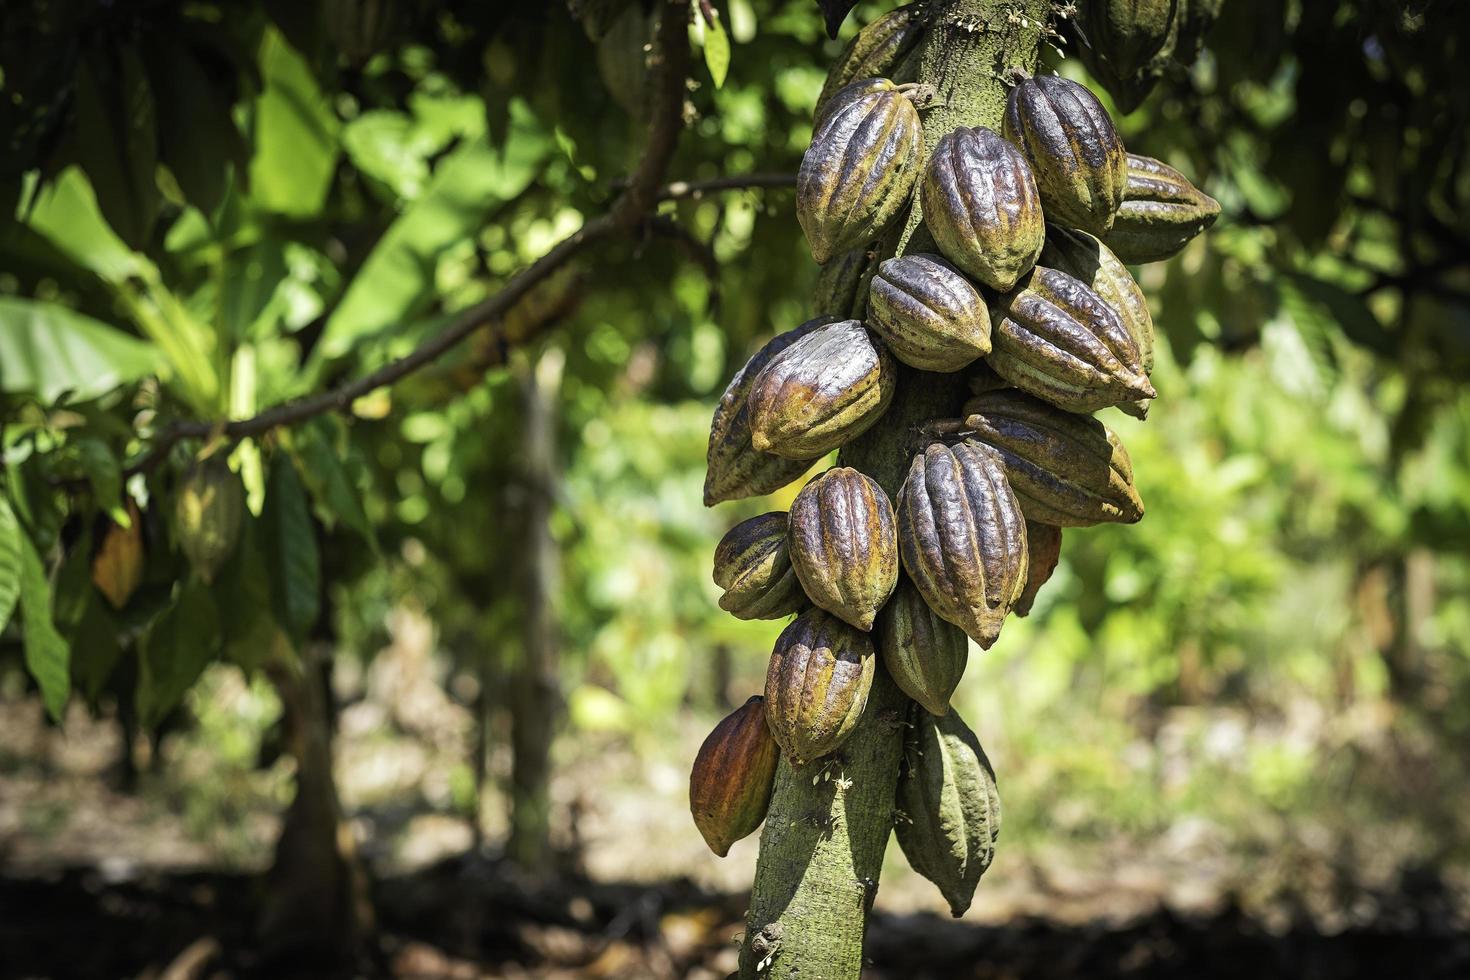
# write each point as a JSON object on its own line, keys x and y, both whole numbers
{"x": 668, "y": 71}
{"x": 679, "y": 189}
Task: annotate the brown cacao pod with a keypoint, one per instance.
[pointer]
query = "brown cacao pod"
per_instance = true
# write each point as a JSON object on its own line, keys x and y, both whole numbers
{"x": 925, "y": 654}
{"x": 1119, "y": 41}
{"x": 1074, "y": 151}
{"x": 1067, "y": 470}
{"x": 1043, "y": 551}
{"x": 962, "y": 537}
{"x": 733, "y": 775}
{"x": 824, "y": 390}
{"x": 1083, "y": 257}
{"x": 981, "y": 204}
{"x": 1057, "y": 339}
{"x": 817, "y": 684}
{"x": 117, "y": 566}
{"x": 860, "y": 168}
{"x": 207, "y": 514}
{"x": 928, "y": 314}
{"x": 874, "y": 51}
{"x": 844, "y": 546}
{"x": 734, "y": 467}
{"x": 753, "y": 566}
{"x": 1161, "y": 212}
{"x": 949, "y": 807}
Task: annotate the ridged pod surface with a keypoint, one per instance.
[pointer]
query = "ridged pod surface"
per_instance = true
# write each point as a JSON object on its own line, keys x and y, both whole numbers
{"x": 1067, "y": 470}
{"x": 1121, "y": 40}
{"x": 857, "y": 174}
{"x": 207, "y": 513}
{"x": 925, "y": 654}
{"x": 1161, "y": 212}
{"x": 1057, "y": 339}
{"x": 874, "y": 51}
{"x": 824, "y": 390}
{"x": 753, "y": 566}
{"x": 928, "y": 314}
{"x": 1083, "y": 257}
{"x": 962, "y": 537}
{"x": 1043, "y": 551}
{"x": 950, "y": 807}
{"x": 817, "y": 684}
{"x": 982, "y": 205}
{"x": 838, "y": 284}
{"x": 734, "y": 467}
{"x": 1074, "y": 150}
{"x": 733, "y": 775}
{"x": 844, "y": 545}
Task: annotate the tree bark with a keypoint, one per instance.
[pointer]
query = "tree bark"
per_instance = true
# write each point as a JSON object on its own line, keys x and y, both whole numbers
{"x": 829, "y": 821}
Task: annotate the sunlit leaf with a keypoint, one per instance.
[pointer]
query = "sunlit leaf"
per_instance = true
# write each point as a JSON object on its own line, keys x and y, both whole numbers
{"x": 66, "y": 214}
{"x": 716, "y": 51}
{"x": 295, "y": 135}
{"x": 10, "y": 546}
{"x": 48, "y": 351}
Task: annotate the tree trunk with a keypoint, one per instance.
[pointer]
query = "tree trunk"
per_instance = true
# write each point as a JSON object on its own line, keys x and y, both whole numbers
{"x": 535, "y": 703}
{"x": 823, "y": 840}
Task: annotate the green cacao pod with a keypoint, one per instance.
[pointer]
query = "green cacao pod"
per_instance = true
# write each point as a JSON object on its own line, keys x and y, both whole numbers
{"x": 874, "y": 51}
{"x": 753, "y": 566}
{"x": 207, "y": 514}
{"x": 928, "y": 314}
{"x": 1083, "y": 257}
{"x": 949, "y": 806}
{"x": 824, "y": 390}
{"x": 733, "y": 775}
{"x": 1043, "y": 551}
{"x": 1057, "y": 339}
{"x": 1120, "y": 40}
{"x": 982, "y": 205}
{"x": 734, "y": 467}
{"x": 1161, "y": 212}
{"x": 925, "y": 654}
{"x": 860, "y": 168}
{"x": 844, "y": 546}
{"x": 1074, "y": 151}
{"x": 962, "y": 537}
{"x": 1068, "y": 470}
{"x": 817, "y": 684}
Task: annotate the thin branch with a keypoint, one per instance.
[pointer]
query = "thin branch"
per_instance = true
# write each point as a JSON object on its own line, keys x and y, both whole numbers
{"x": 679, "y": 189}
{"x": 668, "y": 71}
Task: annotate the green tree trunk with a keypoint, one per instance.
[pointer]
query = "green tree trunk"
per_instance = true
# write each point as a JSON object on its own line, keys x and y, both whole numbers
{"x": 829, "y": 822}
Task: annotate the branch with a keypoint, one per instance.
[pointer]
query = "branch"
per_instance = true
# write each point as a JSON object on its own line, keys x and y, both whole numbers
{"x": 668, "y": 71}
{"x": 734, "y": 182}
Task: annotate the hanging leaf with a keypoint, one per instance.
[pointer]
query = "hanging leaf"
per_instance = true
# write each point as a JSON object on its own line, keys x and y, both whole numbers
{"x": 66, "y": 214}
{"x": 94, "y": 461}
{"x": 82, "y": 620}
{"x": 716, "y": 50}
{"x": 117, "y": 141}
{"x": 10, "y": 545}
{"x": 48, "y": 351}
{"x": 328, "y": 480}
{"x": 46, "y": 653}
{"x": 291, "y": 549}
{"x": 174, "y": 651}
{"x": 295, "y": 135}
{"x": 242, "y": 593}
{"x": 835, "y": 12}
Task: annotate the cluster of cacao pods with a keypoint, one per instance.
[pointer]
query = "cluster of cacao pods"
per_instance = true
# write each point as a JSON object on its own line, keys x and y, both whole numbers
{"x": 1015, "y": 278}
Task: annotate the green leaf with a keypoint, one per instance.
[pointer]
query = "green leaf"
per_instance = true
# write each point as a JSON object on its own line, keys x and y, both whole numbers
{"x": 291, "y": 549}
{"x": 174, "y": 651}
{"x": 117, "y": 141}
{"x": 397, "y": 280}
{"x": 242, "y": 591}
{"x": 88, "y": 628}
{"x": 248, "y": 283}
{"x": 198, "y": 138}
{"x": 47, "y": 350}
{"x": 46, "y": 653}
{"x": 295, "y": 135}
{"x": 66, "y": 214}
{"x": 103, "y": 473}
{"x": 328, "y": 480}
{"x": 389, "y": 146}
{"x": 716, "y": 50}
{"x": 10, "y": 545}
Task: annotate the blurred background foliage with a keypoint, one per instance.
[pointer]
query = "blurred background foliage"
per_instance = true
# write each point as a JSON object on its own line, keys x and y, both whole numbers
{"x": 217, "y": 207}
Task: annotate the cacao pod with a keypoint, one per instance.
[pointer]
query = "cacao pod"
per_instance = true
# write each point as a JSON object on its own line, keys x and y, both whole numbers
{"x": 925, "y": 654}
{"x": 949, "y": 805}
{"x": 962, "y": 537}
{"x": 1057, "y": 339}
{"x": 824, "y": 390}
{"x": 1067, "y": 470}
{"x": 837, "y": 291}
{"x": 1074, "y": 151}
{"x": 1193, "y": 21}
{"x": 1043, "y": 551}
{"x": 844, "y": 546}
{"x": 207, "y": 514}
{"x": 874, "y": 51}
{"x": 117, "y": 567}
{"x": 1120, "y": 41}
{"x": 928, "y": 314}
{"x": 981, "y": 203}
{"x": 734, "y": 467}
{"x": 860, "y": 168}
{"x": 753, "y": 566}
{"x": 1161, "y": 212}
{"x": 733, "y": 775}
{"x": 817, "y": 684}
{"x": 1083, "y": 257}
